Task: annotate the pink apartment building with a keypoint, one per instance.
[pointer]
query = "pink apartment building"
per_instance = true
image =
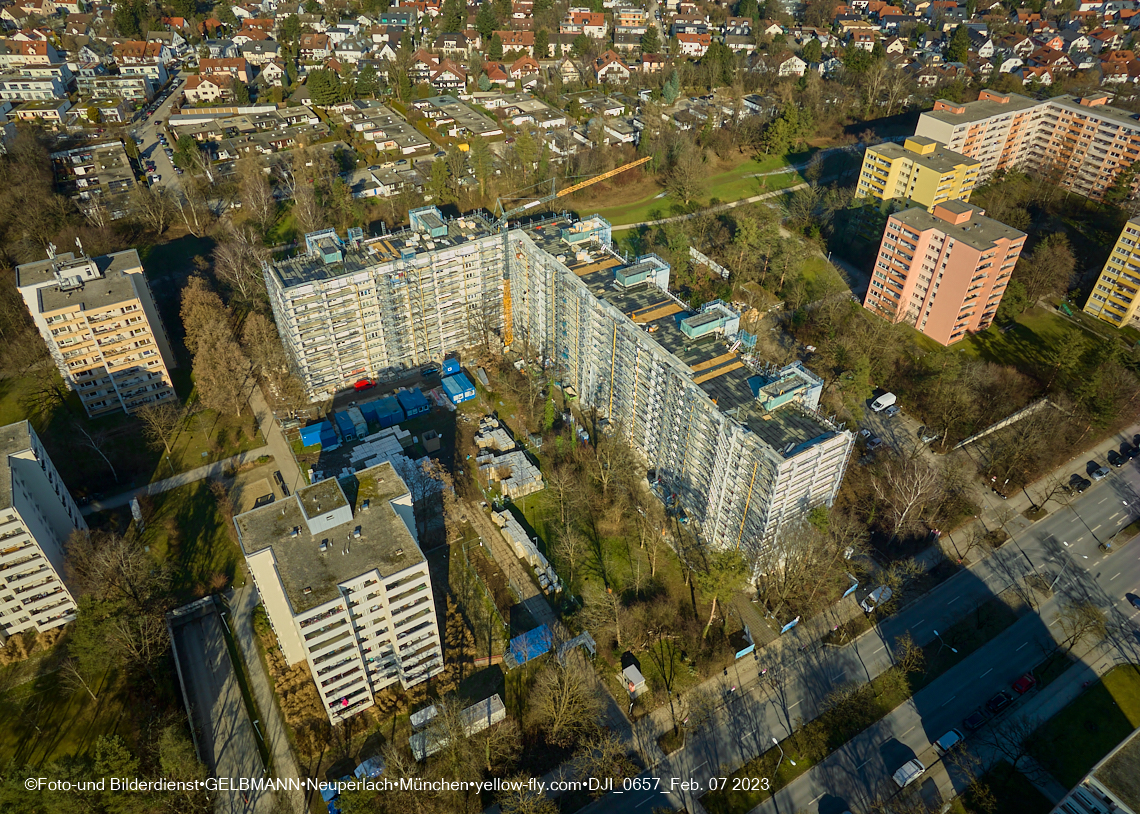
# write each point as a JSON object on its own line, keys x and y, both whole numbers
{"x": 943, "y": 272}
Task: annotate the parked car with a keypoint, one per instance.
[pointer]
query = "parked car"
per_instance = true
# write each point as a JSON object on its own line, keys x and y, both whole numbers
{"x": 1024, "y": 684}
{"x": 999, "y": 702}
{"x": 893, "y": 411}
{"x": 883, "y": 402}
{"x": 429, "y": 371}
{"x": 948, "y": 741}
{"x": 1100, "y": 473}
{"x": 976, "y": 720}
{"x": 1116, "y": 459}
{"x": 1135, "y": 600}
{"x": 909, "y": 772}
{"x": 364, "y": 384}
{"x": 1078, "y": 484}
{"x": 866, "y": 433}
{"x": 874, "y": 444}
{"x": 876, "y": 598}
{"x": 1129, "y": 451}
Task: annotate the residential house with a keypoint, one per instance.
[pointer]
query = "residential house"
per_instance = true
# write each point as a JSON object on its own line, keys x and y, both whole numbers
{"x": 609, "y": 68}
{"x": 448, "y": 76}
{"x": 259, "y": 53}
{"x": 237, "y": 68}
{"x": 208, "y": 87}
{"x": 452, "y": 45}
{"x": 592, "y": 24}
{"x": 521, "y": 41}
{"x": 694, "y": 45}
{"x": 569, "y": 71}
{"x": 315, "y": 47}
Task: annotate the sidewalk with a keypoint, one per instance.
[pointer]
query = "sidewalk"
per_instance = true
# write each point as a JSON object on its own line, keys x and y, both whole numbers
{"x": 213, "y": 470}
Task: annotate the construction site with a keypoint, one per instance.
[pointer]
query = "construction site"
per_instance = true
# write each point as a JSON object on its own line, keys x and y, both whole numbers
{"x": 734, "y": 445}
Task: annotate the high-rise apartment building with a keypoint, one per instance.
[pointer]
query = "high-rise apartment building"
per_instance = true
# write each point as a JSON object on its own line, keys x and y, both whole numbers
{"x": 98, "y": 317}
{"x": 347, "y": 309}
{"x": 346, "y": 587}
{"x": 943, "y": 272}
{"x": 37, "y": 515}
{"x": 739, "y": 446}
{"x": 1117, "y": 291}
{"x": 920, "y": 170}
{"x": 1081, "y": 143}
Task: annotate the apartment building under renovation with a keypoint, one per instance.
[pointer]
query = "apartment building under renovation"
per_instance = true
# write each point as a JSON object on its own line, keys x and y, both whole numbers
{"x": 348, "y": 309}
{"x": 98, "y": 318}
{"x": 739, "y": 446}
{"x": 1083, "y": 144}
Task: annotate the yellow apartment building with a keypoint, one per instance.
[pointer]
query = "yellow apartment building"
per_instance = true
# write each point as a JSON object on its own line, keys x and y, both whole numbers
{"x": 1114, "y": 298}
{"x": 921, "y": 170}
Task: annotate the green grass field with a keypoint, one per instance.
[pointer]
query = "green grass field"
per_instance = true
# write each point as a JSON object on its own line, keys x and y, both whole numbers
{"x": 187, "y": 531}
{"x": 1086, "y": 730}
{"x": 44, "y": 720}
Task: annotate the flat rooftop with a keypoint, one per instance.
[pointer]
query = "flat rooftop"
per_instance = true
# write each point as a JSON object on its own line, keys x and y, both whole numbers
{"x": 305, "y": 269}
{"x": 941, "y": 160}
{"x": 13, "y": 438}
{"x": 979, "y": 231}
{"x": 114, "y": 286}
{"x": 720, "y": 373}
{"x": 984, "y": 108}
{"x": 384, "y": 544}
{"x": 1120, "y": 774}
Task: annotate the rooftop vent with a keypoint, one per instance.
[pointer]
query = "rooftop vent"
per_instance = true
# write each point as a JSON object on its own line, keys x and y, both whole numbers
{"x": 399, "y": 552}
{"x": 306, "y": 590}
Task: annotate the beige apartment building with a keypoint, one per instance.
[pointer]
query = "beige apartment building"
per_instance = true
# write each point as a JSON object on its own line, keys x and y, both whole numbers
{"x": 943, "y": 272}
{"x": 37, "y": 515}
{"x": 1117, "y": 291}
{"x": 1082, "y": 143}
{"x": 346, "y": 587}
{"x": 920, "y": 170}
{"x": 102, "y": 328}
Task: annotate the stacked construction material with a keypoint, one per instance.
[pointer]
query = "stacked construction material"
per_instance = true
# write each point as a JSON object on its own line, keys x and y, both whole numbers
{"x": 525, "y": 549}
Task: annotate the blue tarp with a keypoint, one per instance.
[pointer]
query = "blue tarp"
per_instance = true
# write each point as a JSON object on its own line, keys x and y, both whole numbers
{"x": 345, "y": 425}
{"x": 458, "y": 388}
{"x": 450, "y": 367}
{"x": 313, "y": 433}
{"x": 531, "y": 645}
{"x": 413, "y": 402}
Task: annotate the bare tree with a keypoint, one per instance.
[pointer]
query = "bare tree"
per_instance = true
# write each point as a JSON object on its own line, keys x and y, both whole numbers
{"x": 109, "y": 566}
{"x": 905, "y": 485}
{"x": 256, "y": 192}
{"x": 604, "y": 756}
{"x": 1015, "y": 739}
{"x": 73, "y": 678}
{"x": 1081, "y": 619}
{"x": 520, "y": 797}
{"x": 570, "y": 548}
{"x": 161, "y": 422}
{"x": 237, "y": 263}
{"x": 222, "y": 374}
{"x": 563, "y": 701}
{"x": 97, "y": 441}
{"x": 909, "y": 657}
{"x": 604, "y": 608}
{"x": 152, "y": 206}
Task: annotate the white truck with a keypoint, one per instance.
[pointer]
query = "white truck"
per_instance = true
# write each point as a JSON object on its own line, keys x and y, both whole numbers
{"x": 883, "y": 402}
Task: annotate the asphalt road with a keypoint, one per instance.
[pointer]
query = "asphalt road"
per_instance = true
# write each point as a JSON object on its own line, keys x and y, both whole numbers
{"x": 1062, "y": 546}
{"x": 146, "y": 129}
{"x": 225, "y": 732}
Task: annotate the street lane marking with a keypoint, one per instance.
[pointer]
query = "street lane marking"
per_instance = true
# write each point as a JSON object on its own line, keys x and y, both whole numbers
{"x": 904, "y": 734}
{"x": 813, "y": 801}
{"x": 793, "y": 706}
{"x": 986, "y": 673}
{"x": 643, "y": 802}
{"x": 861, "y": 765}
{"x": 1097, "y": 526}
{"x": 1024, "y": 645}
{"x": 1101, "y": 501}
{"x": 948, "y": 700}
{"x": 1114, "y": 576}
{"x": 955, "y": 599}
{"x": 919, "y": 622}
{"x": 706, "y": 763}
{"x": 884, "y": 647}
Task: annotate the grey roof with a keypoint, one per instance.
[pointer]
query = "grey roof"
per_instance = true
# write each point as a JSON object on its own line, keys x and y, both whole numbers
{"x": 979, "y": 231}
{"x": 983, "y": 109}
{"x": 13, "y": 438}
{"x": 384, "y": 544}
{"x": 942, "y": 160}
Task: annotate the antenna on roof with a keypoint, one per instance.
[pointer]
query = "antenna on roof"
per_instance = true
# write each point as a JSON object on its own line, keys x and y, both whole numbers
{"x": 79, "y": 244}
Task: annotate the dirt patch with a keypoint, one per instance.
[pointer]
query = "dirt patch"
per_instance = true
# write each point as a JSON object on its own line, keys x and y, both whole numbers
{"x": 252, "y": 486}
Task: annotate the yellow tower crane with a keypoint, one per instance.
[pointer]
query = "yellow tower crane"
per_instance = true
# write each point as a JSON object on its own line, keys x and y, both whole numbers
{"x": 504, "y": 215}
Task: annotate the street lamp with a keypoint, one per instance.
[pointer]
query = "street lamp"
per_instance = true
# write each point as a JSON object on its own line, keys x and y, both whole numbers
{"x": 942, "y": 643}
{"x": 781, "y": 760}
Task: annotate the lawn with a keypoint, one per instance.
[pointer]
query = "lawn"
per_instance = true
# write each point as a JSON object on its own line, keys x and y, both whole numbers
{"x": 186, "y": 530}
{"x": 1028, "y": 344}
{"x": 1086, "y": 730}
{"x": 1012, "y": 791}
{"x": 207, "y": 437}
{"x": 43, "y": 720}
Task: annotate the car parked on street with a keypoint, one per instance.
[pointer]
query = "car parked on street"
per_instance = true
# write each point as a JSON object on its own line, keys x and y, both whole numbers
{"x": 1116, "y": 459}
{"x": 976, "y": 720}
{"x": 1024, "y": 684}
{"x": 999, "y": 702}
{"x": 908, "y": 773}
{"x": 876, "y": 598}
{"x": 1078, "y": 484}
{"x": 949, "y": 741}
{"x": 1100, "y": 473}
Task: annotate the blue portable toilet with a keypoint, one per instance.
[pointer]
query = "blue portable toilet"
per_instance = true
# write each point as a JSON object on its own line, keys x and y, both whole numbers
{"x": 345, "y": 425}
{"x": 413, "y": 402}
{"x": 450, "y": 367}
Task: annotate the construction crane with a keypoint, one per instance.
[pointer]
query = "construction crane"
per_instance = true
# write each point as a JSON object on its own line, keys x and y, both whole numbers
{"x": 502, "y": 221}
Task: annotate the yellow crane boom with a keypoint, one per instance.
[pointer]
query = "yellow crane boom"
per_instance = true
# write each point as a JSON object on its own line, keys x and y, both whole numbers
{"x": 602, "y": 177}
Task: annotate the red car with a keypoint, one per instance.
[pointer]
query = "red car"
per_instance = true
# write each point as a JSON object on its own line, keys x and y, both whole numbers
{"x": 1025, "y": 684}
{"x": 364, "y": 384}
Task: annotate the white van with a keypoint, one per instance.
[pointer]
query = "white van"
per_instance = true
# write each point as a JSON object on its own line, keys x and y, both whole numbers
{"x": 883, "y": 402}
